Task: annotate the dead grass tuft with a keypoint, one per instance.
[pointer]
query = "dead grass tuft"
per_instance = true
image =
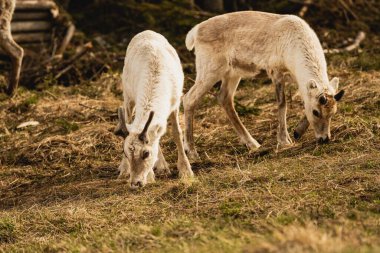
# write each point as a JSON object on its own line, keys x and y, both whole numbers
{"x": 296, "y": 238}
{"x": 80, "y": 146}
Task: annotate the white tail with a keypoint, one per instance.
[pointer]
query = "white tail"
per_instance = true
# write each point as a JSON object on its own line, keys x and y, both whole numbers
{"x": 190, "y": 38}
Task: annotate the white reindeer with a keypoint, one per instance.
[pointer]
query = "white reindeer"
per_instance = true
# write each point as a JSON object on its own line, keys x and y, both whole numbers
{"x": 238, "y": 45}
{"x": 152, "y": 82}
{"x": 8, "y": 45}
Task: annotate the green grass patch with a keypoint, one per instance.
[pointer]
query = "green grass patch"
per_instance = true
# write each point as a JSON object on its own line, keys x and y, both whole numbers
{"x": 285, "y": 219}
{"x": 246, "y": 110}
{"x": 26, "y": 104}
{"x": 67, "y": 126}
{"x": 231, "y": 209}
{"x": 7, "y": 231}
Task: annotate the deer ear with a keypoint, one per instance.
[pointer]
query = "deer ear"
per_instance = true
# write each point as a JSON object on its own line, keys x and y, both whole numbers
{"x": 339, "y": 95}
{"x": 311, "y": 85}
{"x": 335, "y": 83}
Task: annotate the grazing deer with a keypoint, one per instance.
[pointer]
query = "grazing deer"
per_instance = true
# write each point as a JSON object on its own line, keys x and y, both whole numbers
{"x": 238, "y": 45}
{"x": 8, "y": 45}
{"x": 152, "y": 82}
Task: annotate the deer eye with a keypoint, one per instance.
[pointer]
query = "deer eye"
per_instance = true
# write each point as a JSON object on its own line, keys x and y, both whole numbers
{"x": 316, "y": 114}
{"x": 145, "y": 154}
{"x": 322, "y": 100}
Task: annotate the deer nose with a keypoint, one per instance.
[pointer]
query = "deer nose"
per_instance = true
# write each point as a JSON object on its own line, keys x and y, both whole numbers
{"x": 135, "y": 185}
{"x": 322, "y": 140}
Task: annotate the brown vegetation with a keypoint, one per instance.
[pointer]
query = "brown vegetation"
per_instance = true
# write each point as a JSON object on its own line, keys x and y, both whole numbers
{"x": 59, "y": 190}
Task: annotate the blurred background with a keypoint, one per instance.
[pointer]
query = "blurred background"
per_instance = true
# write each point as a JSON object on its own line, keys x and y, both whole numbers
{"x": 110, "y": 24}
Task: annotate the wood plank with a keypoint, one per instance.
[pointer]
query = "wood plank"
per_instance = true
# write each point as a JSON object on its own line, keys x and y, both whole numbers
{"x": 31, "y": 15}
{"x": 38, "y": 5}
{"x": 45, "y": 4}
{"x": 30, "y": 26}
{"x": 31, "y": 37}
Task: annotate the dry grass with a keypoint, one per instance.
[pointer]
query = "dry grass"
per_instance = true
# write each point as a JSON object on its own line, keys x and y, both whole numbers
{"x": 59, "y": 192}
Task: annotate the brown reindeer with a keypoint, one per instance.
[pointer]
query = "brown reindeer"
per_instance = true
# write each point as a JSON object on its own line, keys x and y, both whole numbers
{"x": 8, "y": 45}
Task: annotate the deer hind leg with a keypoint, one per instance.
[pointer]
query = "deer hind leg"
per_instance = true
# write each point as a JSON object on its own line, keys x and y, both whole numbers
{"x": 203, "y": 83}
{"x": 283, "y": 138}
{"x": 16, "y": 53}
{"x": 183, "y": 163}
{"x": 226, "y": 100}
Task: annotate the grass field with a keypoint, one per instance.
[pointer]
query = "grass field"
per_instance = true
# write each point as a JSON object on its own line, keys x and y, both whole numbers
{"x": 59, "y": 190}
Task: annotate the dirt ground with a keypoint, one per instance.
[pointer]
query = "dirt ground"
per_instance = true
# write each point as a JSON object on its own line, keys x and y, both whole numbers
{"x": 59, "y": 190}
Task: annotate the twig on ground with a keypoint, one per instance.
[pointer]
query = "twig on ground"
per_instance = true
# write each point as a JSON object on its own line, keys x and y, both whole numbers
{"x": 347, "y": 8}
{"x": 66, "y": 66}
{"x": 66, "y": 40}
{"x": 97, "y": 109}
{"x": 359, "y": 39}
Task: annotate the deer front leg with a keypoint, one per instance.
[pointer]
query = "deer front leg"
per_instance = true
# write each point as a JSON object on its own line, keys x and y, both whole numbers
{"x": 283, "y": 138}
{"x": 124, "y": 116}
{"x": 183, "y": 163}
{"x": 124, "y": 168}
{"x": 151, "y": 177}
{"x": 161, "y": 165}
{"x": 301, "y": 128}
